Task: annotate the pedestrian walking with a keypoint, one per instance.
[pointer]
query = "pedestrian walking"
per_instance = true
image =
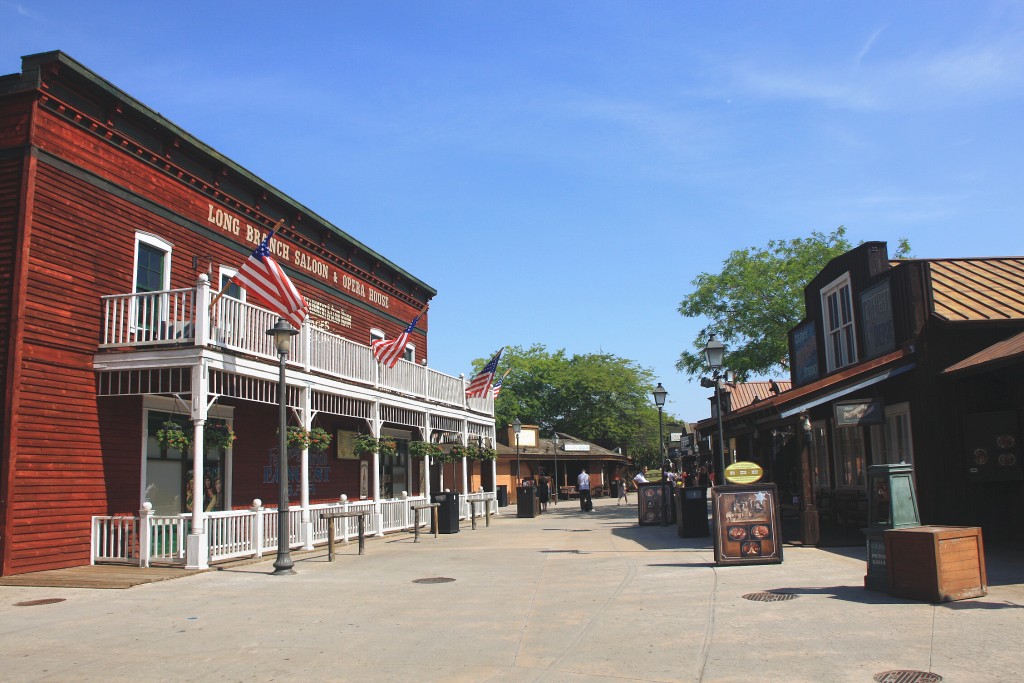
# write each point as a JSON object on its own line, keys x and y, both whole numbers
{"x": 583, "y": 486}
{"x": 543, "y": 492}
{"x": 623, "y": 486}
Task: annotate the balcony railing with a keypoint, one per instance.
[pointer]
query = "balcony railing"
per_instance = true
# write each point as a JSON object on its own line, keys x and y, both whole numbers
{"x": 184, "y": 317}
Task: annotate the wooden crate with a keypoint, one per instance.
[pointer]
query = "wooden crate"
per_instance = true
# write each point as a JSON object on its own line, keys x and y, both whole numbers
{"x": 936, "y": 563}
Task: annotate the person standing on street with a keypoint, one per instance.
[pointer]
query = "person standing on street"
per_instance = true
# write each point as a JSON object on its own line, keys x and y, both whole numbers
{"x": 583, "y": 486}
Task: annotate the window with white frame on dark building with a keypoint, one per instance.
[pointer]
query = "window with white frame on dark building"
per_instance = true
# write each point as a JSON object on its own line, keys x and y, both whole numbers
{"x": 891, "y": 441}
{"x": 840, "y": 332}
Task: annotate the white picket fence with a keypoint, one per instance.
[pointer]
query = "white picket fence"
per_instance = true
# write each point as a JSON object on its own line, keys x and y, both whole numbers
{"x": 160, "y": 539}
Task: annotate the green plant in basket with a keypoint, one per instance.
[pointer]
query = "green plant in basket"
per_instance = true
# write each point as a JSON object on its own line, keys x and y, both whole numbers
{"x": 171, "y": 435}
{"x": 319, "y": 439}
{"x": 218, "y": 435}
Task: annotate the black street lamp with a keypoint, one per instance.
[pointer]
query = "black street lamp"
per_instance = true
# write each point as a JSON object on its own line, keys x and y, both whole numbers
{"x": 282, "y": 333}
{"x": 714, "y": 352}
{"x": 659, "y": 400}
{"x": 517, "y": 427}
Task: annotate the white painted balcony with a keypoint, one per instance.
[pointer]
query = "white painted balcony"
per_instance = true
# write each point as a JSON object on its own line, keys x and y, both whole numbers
{"x": 184, "y": 317}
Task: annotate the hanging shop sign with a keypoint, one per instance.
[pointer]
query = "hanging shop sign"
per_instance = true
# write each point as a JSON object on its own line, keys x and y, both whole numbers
{"x": 743, "y": 473}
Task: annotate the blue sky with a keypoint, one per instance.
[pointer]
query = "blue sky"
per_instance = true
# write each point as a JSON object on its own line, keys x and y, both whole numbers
{"x": 561, "y": 171}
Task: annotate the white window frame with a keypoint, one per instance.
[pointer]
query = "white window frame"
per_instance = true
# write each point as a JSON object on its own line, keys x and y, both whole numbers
{"x": 376, "y": 335}
{"x": 893, "y": 442}
{"x": 228, "y": 272}
{"x": 159, "y": 243}
{"x": 841, "y": 332}
{"x": 166, "y": 247}
{"x": 410, "y": 353}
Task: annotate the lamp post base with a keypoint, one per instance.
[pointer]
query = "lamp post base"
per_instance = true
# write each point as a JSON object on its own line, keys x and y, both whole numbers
{"x": 283, "y": 565}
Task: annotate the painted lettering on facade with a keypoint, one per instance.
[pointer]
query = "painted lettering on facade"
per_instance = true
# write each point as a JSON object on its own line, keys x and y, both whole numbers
{"x": 302, "y": 260}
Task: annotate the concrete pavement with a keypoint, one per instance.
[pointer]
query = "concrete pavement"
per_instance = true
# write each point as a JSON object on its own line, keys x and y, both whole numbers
{"x": 566, "y": 596}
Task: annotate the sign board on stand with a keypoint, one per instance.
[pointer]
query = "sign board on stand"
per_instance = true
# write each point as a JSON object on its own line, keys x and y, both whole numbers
{"x": 747, "y": 524}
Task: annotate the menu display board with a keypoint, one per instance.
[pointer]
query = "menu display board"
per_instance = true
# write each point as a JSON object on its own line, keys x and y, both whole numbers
{"x": 993, "y": 447}
{"x": 747, "y": 524}
{"x": 651, "y": 499}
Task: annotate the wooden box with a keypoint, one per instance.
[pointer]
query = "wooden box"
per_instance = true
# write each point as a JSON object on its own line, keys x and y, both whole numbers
{"x": 936, "y": 563}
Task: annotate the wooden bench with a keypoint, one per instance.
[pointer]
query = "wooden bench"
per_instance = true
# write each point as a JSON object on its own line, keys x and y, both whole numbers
{"x": 331, "y": 515}
{"x": 472, "y": 511}
{"x": 568, "y": 491}
{"x": 416, "y": 518}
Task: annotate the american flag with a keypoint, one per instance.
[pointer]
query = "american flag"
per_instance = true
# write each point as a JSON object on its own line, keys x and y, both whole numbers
{"x": 480, "y": 385}
{"x": 389, "y": 351}
{"x": 497, "y": 385}
{"x": 262, "y": 277}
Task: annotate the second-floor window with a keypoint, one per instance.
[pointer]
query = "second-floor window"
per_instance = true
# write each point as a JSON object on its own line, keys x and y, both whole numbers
{"x": 837, "y": 316}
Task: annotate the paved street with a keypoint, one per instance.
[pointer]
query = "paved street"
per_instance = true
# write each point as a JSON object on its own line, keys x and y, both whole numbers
{"x": 566, "y": 596}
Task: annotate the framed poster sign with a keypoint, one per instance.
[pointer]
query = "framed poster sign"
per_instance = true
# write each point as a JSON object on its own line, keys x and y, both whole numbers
{"x": 747, "y": 524}
{"x": 993, "y": 447}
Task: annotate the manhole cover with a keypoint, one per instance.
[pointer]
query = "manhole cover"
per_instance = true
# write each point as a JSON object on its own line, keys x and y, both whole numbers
{"x": 434, "y": 579}
{"x": 768, "y": 596}
{"x": 41, "y": 601}
{"x": 907, "y": 676}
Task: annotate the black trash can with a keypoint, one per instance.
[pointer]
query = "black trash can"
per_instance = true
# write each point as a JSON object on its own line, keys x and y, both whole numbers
{"x": 692, "y": 512}
{"x": 502, "y": 495}
{"x": 447, "y": 513}
{"x": 527, "y": 502}
{"x": 615, "y": 490}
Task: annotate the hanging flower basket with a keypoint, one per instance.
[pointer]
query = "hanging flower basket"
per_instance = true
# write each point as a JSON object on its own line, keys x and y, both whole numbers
{"x": 319, "y": 439}
{"x": 171, "y": 435}
{"x": 456, "y": 452}
{"x": 387, "y": 446}
{"x": 365, "y": 445}
{"x": 424, "y": 449}
{"x": 218, "y": 435}
{"x": 296, "y": 438}
{"x": 483, "y": 453}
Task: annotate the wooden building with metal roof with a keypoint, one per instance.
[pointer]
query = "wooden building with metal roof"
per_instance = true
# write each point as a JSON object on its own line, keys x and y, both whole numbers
{"x": 910, "y": 360}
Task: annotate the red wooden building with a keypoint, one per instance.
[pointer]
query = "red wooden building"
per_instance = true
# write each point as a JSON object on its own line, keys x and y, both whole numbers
{"x": 117, "y": 230}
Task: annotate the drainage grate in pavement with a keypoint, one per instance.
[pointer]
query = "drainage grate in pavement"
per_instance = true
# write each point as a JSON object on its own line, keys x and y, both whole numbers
{"x": 769, "y": 596}
{"x": 434, "y": 579}
{"x": 907, "y": 676}
{"x": 41, "y": 601}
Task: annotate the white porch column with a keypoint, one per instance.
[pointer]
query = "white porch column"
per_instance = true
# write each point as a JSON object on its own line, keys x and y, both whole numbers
{"x": 197, "y": 550}
{"x": 202, "y": 320}
{"x": 465, "y": 460}
{"x": 428, "y": 436}
{"x": 305, "y": 399}
{"x": 376, "y": 454}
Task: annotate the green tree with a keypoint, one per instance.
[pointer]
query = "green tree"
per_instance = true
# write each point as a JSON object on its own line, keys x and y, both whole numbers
{"x": 756, "y": 298}
{"x": 598, "y": 397}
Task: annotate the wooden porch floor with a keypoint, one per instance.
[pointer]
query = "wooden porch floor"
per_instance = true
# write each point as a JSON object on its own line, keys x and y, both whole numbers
{"x": 98, "y": 576}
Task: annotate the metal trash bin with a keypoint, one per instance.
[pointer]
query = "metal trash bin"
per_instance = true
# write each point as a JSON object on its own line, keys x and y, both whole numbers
{"x": 527, "y": 502}
{"x": 502, "y": 494}
{"x": 692, "y": 511}
{"x": 447, "y": 512}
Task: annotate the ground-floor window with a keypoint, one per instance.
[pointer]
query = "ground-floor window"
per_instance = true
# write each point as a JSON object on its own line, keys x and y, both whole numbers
{"x": 850, "y": 460}
{"x": 819, "y": 457}
{"x": 394, "y": 469}
{"x": 891, "y": 442}
{"x": 169, "y": 472}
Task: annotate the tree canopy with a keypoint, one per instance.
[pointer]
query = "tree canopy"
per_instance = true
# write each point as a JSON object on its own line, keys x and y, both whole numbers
{"x": 756, "y": 298}
{"x": 598, "y": 397}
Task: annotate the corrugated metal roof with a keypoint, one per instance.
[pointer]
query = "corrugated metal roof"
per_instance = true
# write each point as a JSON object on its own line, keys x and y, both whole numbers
{"x": 745, "y": 393}
{"x": 977, "y": 289}
{"x": 1000, "y": 351}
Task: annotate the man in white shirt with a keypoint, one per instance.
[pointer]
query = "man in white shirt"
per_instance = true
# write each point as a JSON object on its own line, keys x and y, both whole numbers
{"x": 583, "y": 486}
{"x": 640, "y": 478}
